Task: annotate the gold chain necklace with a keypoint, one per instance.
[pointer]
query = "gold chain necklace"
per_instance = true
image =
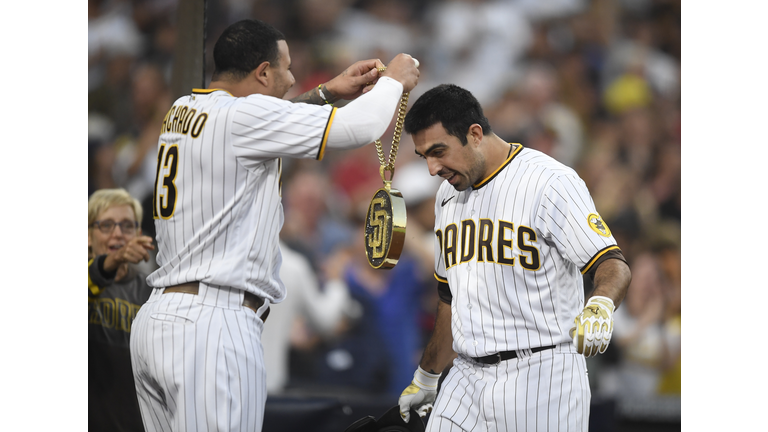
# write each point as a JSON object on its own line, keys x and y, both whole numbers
{"x": 389, "y": 165}
{"x": 386, "y": 218}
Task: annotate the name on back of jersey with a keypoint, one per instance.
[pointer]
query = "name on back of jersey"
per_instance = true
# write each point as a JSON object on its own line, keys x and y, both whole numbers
{"x": 183, "y": 119}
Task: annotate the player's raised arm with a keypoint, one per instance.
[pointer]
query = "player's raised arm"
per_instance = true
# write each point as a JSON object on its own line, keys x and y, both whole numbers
{"x": 365, "y": 119}
{"x": 354, "y": 80}
{"x": 404, "y": 69}
{"x": 347, "y": 85}
{"x": 359, "y": 78}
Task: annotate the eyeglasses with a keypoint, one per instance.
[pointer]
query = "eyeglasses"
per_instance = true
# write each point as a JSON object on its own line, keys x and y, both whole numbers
{"x": 106, "y": 226}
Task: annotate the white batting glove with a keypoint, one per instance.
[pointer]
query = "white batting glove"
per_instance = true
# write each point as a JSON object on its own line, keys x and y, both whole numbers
{"x": 594, "y": 326}
{"x": 419, "y": 395}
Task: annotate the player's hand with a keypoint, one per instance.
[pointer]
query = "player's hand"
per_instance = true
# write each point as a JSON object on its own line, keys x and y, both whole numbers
{"x": 594, "y": 326}
{"x": 353, "y": 81}
{"x": 419, "y": 395}
{"x": 134, "y": 251}
{"x": 405, "y": 69}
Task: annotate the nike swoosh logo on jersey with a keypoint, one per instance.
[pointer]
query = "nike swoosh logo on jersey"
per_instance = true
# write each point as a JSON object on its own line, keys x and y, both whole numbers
{"x": 445, "y": 201}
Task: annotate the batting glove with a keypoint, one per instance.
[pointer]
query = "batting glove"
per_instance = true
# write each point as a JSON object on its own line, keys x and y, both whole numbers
{"x": 594, "y": 326}
{"x": 419, "y": 395}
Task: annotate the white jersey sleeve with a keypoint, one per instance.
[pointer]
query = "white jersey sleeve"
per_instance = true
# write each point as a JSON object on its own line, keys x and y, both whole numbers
{"x": 265, "y": 127}
{"x": 440, "y": 272}
{"x": 366, "y": 118}
{"x": 567, "y": 218}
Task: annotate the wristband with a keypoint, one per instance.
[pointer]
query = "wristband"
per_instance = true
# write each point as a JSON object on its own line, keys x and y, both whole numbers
{"x": 605, "y": 301}
{"x": 425, "y": 380}
{"x": 320, "y": 91}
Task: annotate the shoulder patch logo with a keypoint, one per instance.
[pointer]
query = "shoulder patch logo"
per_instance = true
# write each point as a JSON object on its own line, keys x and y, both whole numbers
{"x": 597, "y": 225}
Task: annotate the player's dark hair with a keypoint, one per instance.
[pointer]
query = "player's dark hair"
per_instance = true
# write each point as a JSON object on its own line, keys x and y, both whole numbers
{"x": 243, "y": 46}
{"x": 452, "y": 106}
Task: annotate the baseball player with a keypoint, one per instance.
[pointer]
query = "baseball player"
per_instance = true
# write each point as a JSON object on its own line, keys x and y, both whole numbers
{"x": 195, "y": 346}
{"x": 514, "y": 232}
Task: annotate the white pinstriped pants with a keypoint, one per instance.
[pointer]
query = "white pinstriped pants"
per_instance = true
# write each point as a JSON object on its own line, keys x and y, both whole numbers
{"x": 198, "y": 362}
{"x": 545, "y": 391}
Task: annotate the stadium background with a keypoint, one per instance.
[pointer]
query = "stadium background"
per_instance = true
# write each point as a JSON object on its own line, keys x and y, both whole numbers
{"x": 595, "y": 84}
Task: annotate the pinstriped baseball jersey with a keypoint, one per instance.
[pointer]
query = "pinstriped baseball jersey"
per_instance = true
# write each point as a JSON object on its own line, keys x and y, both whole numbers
{"x": 216, "y": 201}
{"x": 513, "y": 249}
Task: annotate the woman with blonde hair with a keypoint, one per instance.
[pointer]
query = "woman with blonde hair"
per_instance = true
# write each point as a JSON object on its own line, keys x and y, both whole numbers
{"x": 116, "y": 291}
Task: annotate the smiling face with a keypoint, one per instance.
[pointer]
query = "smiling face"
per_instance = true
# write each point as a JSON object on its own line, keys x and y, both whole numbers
{"x": 461, "y": 165}
{"x": 101, "y": 243}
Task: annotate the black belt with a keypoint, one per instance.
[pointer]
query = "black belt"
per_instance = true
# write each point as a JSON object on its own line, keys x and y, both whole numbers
{"x": 250, "y": 300}
{"x": 505, "y": 355}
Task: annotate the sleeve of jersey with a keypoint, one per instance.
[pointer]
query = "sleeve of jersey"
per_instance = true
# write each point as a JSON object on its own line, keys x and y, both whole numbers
{"x": 443, "y": 289}
{"x": 265, "y": 127}
{"x": 440, "y": 271}
{"x": 568, "y": 219}
{"x": 365, "y": 119}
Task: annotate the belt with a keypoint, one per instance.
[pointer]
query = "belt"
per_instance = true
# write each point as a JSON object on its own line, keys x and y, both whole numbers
{"x": 250, "y": 300}
{"x": 505, "y": 355}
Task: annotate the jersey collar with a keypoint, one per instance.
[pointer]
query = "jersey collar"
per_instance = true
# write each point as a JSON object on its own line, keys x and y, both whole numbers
{"x": 208, "y": 91}
{"x": 511, "y": 156}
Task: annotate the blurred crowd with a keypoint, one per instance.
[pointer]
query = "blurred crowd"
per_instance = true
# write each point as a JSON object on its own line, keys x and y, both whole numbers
{"x": 595, "y": 84}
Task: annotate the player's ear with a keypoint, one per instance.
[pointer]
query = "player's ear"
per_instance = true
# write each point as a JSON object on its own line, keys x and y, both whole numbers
{"x": 262, "y": 74}
{"x": 475, "y": 134}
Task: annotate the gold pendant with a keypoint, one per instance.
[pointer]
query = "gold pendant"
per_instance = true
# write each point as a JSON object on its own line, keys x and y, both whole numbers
{"x": 385, "y": 222}
{"x": 385, "y": 227}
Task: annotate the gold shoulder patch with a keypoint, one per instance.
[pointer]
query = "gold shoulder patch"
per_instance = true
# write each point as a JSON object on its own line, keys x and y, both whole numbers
{"x": 597, "y": 225}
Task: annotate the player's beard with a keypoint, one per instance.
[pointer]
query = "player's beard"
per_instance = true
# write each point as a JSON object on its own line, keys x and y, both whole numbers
{"x": 473, "y": 174}
{"x": 282, "y": 85}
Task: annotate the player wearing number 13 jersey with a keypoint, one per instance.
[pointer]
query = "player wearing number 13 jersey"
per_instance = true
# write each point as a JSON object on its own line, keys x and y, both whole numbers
{"x": 515, "y": 230}
{"x": 196, "y": 344}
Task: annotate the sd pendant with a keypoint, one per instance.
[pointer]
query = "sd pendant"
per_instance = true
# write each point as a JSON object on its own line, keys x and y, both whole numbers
{"x": 385, "y": 228}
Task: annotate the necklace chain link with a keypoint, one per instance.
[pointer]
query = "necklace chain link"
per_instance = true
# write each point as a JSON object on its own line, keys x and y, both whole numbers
{"x": 389, "y": 165}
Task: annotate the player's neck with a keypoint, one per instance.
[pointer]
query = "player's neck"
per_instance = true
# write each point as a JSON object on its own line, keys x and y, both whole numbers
{"x": 496, "y": 153}
{"x": 237, "y": 89}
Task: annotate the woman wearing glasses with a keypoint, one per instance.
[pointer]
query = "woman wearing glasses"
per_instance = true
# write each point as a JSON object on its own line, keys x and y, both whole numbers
{"x": 116, "y": 290}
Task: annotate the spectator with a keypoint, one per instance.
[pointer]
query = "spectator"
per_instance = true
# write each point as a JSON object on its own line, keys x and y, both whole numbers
{"x": 392, "y": 301}
{"x": 135, "y": 162}
{"x": 670, "y": 382}
{"x": 112, "y": 34}
{"x": 312, "y": 224}
{"x": 475, "y": 44}
{"x": 552, "y": 127}
{"x": 640, "y": 332}
{"x": 116, "y": 291}
{"x": 320, "y": 308}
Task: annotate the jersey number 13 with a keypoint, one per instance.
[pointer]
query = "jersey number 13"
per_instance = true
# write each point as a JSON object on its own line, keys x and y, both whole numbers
{"x": 165, "y": 192}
